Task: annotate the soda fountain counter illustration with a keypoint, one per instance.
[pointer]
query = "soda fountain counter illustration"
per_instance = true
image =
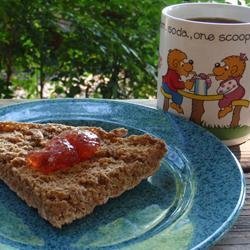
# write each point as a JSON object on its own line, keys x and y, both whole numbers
{"x": 222, "y": 88}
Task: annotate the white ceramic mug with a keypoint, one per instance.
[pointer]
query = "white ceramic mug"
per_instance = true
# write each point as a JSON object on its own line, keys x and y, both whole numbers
{"x": 204, "y": 67}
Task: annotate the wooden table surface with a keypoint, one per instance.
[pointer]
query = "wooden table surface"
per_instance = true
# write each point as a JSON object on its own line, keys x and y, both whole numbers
{"x": 238, "y": 238}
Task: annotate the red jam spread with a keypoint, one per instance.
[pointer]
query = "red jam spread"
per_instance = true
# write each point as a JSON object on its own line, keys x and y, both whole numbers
{"x": 64, "y": 151}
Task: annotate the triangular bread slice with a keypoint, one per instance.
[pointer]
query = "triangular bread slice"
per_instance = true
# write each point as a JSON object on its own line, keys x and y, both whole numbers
{"x": 120, "y": 164}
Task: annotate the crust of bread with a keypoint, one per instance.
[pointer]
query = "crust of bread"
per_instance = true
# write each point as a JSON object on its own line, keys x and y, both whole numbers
{"x": 120, "y": 164}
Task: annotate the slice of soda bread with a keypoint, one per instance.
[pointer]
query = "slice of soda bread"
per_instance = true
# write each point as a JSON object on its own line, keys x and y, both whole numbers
{"x": 119, "y": 164}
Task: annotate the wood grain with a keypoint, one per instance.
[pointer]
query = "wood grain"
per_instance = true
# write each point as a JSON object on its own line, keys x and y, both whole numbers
{"x": 242, "y": 153}
{"x": 239, "y": 235}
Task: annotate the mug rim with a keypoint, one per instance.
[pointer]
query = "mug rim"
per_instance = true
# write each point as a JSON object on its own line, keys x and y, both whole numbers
{"x": 216, "y": 7}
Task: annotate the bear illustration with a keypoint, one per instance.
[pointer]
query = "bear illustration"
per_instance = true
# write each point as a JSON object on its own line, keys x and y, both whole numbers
{"x": 178, "y": 65}
{"x": 229, "y": 72}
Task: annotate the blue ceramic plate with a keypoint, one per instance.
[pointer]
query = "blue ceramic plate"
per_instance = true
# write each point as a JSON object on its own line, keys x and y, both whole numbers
{"x": 188, "y": 204}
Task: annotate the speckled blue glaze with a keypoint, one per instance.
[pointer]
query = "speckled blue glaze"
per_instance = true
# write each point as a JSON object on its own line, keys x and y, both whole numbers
{"x": 188, "y": 204}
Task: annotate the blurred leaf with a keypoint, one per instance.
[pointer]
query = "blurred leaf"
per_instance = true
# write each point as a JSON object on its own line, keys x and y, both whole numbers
{"x": 82, "y": 47}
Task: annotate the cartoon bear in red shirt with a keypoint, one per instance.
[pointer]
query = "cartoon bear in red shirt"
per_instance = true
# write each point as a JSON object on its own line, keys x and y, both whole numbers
{"x": 178, "y": 65}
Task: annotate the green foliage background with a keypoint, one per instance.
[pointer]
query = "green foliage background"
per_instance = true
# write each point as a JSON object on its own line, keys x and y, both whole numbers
{"x": 79, "y": 48}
